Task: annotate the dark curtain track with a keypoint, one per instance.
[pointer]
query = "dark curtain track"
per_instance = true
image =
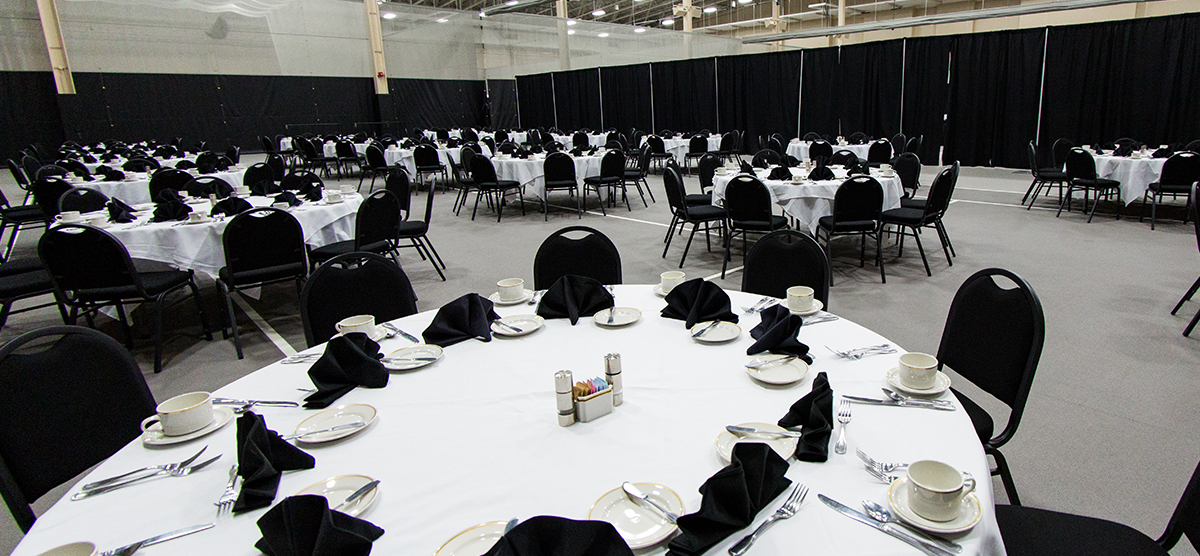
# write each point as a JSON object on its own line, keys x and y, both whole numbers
{"x": 758, "y": 93}
{"x": 535, "y": 99}
{"x": 926, "y": 69}
{"x": 626, "y": 97}
{"x": 502, "y": 96}
{"x": 818, "y": 105}
{"x": 577, "y": 99}
{"x": 867, "y": 88}
{"x": 684, "y": 95}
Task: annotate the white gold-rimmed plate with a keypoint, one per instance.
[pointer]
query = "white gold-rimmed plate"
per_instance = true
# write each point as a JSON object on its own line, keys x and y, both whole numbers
{"x": 780, "y": 373}
{"x": 337, "y": 489}
{"x": 639, "y": 525}
{"x": 812, "y": 310}
{"x": 525, "y": 296}
{"x": 785, "y": 446}
{"x": 153, "y": 435}
{"x": 341, "y": 415}
{"x": 474, "y": 541}
{"x": 621, "y": 316}
{"x": 941, "y": 384}
{"x": 969, "y": 511}
{"x": 719, "y": 334}
{"x": 527, "y": 324}
{"x": 415, "y": 352}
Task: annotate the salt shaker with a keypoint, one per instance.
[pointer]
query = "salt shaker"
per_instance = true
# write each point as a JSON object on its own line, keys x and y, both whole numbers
{"x": 562, "y": 395}
{"x": 612, "y": 372}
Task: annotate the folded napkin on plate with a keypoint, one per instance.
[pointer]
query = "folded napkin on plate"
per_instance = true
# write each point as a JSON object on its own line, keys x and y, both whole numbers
{"x": 577, "y": 151}
{"x": 572, "y": 297}
{"x": 469, "y": 316}
{"x": 262, "y": 457}
{"x": 732, "y": 497}
{"x": 305, "y": 526}
{"x": 185, "y": 165}
{"x": 349, "y": 361}
{"x": 110, "y": 174}
{"x": 287, "y": 197}
{"x": 1124, "y": 150}
{"x": 777, "y": 334}
{"x": 88, "y": 159}
{"x": 230, "y": 206}
{"x": 206, "y": 167}
{"x": 264, "y": 188}
{"x": 698, "y": 300}
{"x": 747, "y": 168}
{"x": 821, "y": 171}
{"x": 119, "y": 212}
{"x": 558, "y": 536}
{"x": 1163, "y": 153}
{"x": 310, "y": 191}
{"x": 814, "y": 413}
{"x": 791, "y": 161}
{"x": 779, "y": 173}
{"x": 169, "y": 207}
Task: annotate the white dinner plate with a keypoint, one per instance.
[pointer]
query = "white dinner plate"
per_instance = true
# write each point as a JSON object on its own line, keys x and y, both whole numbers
{"x": 525, "y": 296}
{"x": 781, "y": 373}
{"x": 474, "y": 541}
{"x": 812, "y": 309}
{"x": 153, "y": 435}
{"x": 639, "y": 525}
{"x": 785, "y": 446}
{"x": 621, "y": 316}
{"x": 941, "y": 384}
{"x": 337, "y": 489}
{"x": 332, "y": 417}
{"x": 969, "y": 511}
{"x": 721, "y": 333}
{"x": 528, "y": 324}
{"x": 379, "y": 334}
{"x": 419, "y": 350}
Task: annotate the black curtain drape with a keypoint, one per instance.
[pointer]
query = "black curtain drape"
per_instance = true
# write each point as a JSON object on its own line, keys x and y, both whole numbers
{"x": 438, "y": 103}
{"x": 30, "y": 113}
{"x": 625, "y": 92}
{"x": 684, "y": 95}
{"x": 502, "y": 96}
{"x": 577, "y": 99}
{"x": 1138, "y": 79}
{"x": 758, "y": 93}
{"x": 818, "y": 106}
{"x": 868, "y": 88}
{"x": 993, "y": 111}
{"x": 535, "y": 100}
{"x": 926, "y": 69}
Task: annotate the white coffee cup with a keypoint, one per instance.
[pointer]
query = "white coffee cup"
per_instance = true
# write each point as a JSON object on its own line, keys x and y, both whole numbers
{"x": 885, "y": 168}
{"x": 73, "y": 549}
{"x": 357, "y": 323}
{"x": 70, "y": 216}
{"x": 935, "y": 489}
{"x": 670, "y": 279}
{"x": 332, "y": 196}
{"x": 799, "y": 298}
{"x": 99, "y": 220}
{"x": 348, "y": 189}
{"x": 183, "y": 414}
{"x": 197, "y": 216}
{"x": 511, "y": 289}
{"x": 281, "y": 205}
{"x": 918, "y": 370}
{"x": 243, "y": 191}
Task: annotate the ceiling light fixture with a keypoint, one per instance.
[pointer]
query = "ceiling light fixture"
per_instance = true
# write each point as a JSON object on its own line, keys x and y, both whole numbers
{"x": 598, "y": 13}
{"x": 602, "y": 35}
{"x": 571, "y": 22}
{"x": 668, "y": 21}
{"x": 570, "y": 31}
{"x": 744, "y": 1}
{"x": 639, "y": 30}
{"x": 443, "y": 20}
{"x": 388, "y": 15}
{"x": 710, "y": 10}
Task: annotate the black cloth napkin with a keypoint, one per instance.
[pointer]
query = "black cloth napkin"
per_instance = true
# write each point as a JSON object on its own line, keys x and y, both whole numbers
{"x": 310, "y": 191}
{"x": 110, "y": 174}
{"x": 558, "y": 536}
{"x": 813, "y": 412}
{"x": 196, "y": 188}
{"x": 777, "y": 334}
{"x": 305, "y": 526}
{"x": 230, "y": 206}
{"x": 349, "y": 361}
{"x": 791, "y": 161}
{"x": 821, "y": 171}
{"x": 1163, "y": 153}
{"x": 169, "y": 207}
{"x": 88, "y": 159}
{"x": 264, "y": 188}
{"x": 1124, "y": 150}
{"x": 287, "y": 197}
{"x": 469, "y": 316}
{"x": 732, "y": 497}
{"x": 747, "y": 168}
{"x": 119, "y": 212}
{"x": 206, "y": 167}
{"x": 573, "y": 297}
{"x": 262, "y": 458}
{"x": 698, "y": 300}
{"x": 780, "y": 173}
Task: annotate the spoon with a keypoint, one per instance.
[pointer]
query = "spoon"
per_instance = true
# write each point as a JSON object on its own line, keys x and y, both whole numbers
{"x": 897, "y": 397}
{"x": 880, "y": 513}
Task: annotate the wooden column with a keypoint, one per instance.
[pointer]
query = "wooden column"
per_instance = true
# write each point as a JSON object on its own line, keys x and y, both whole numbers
{"x": 375, "y": 34}
{"x": 55, "y": 46}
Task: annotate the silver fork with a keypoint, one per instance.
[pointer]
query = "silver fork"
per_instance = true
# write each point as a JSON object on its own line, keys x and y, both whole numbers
{"x": 885, "y": 467}
{"x": 788, "y": 509}
{"x": 225, "y": 503}
{"x": 756, "y": 306}
{"x": 166, "y": 467}
{"x": 843, "y": 417}
{"x": 882, "y": 476}
{"x": 182, "y": 472}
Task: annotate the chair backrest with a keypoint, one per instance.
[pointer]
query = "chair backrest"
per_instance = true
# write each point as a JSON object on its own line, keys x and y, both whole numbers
{"x": 168, "y": 178}
{"x": 728, "y": 142}
{"x": 612, "y": 165}
{"x": 765, "y": 158}
{"x": 31, "y": 165}
{"x": 375, "y": 158}
{"x": 469, "y": 135}
{"x": 698, "y": 144}
{"x": 1033, "y": 161}
{"x": 140, "y": 165}
{"x": 673, "y": 183}
{"x": 507, "y": 147}
{"x": 786, "y": 258}
{"x": 748, "y": 201}
{"x": 82, "y": 200}
{"x": 81, "y": 257}
{"x": 1061, "y": 147}
{"x": 908, "y": 169}
{"x": 940, "y": 191}
{"x": 278, "y": 168}
{"x": 426, "y": 156}
{"x": 1080, "y": 164}
{"x": 914, "y": 144}
{"x": 378, "y": 219}
{"x": 656, "y": 144}
{"x": 858, "y": 198}
{"x": 72, "y": 397}
{"x": 775, "y": 144}
{"x": 204, "y": 186}
{"x": 708, "y": 168}
{"x": 263, "y": 237}
{"x": 579, "y": 140}
{"x": 74, "y": 166}
{"x": 46, "y": 192}
{"x": 353, "y": 284}
{"x": 258, "y": 173}
{"x": 490, "y": 142}
{"x": 51, "y": 171}
{"x": 1182, "y": 168}
{"x": 898, "y": 141}
{"x": 297, "y": 179}
{"x": 820, "y": 148}
{"x": 482, "y": 170}
{"x": 593, "y": 255}
{"x": 559, "y": 167}
{"x": 1186, "y": 519}
{"x": 844, "y": 157}
{"x": 880, "y": 151}
{"x": 398, "y": 183}
{"x": 18, "y": 174}
{"x": 268, "y": 146}
{"x": 857, "y": 138}
{"x": 345, "y": 149}
{"x": 234, "y": 154}
{"x": 812, "y": 136}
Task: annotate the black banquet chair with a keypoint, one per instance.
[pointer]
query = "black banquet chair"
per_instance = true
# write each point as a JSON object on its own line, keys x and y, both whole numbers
{"x": 263, "y": 245}
{"x": 820, "y": 148}
{"x": 1081, "y": 169}
{"x": 697, "y": 148}
{"x": 612, "y": 176}
{"x": 21, "y": 217}
{"x": 748, "y": 209}
{"x": 91, "y": 269}
{"x": 72, "y": 398}
{"x": 376, "y": 226}
{"x": 857, "y": 206}
{"x": 786, "y": 258}
{"x": 1043, "y": 178}
{"x": 24, "y": 279}
{"x": 353, "y": 284}
{"x": 880, "y": 152}
{"x": 993, "y": 339}
{"x": 82, "y": 199}
{"x": 593, "y": 255}
{"x": 683, "y": 214}
{"x": 559, "y": 173}
{"x": 929, "y": 216}
{"x": 415, "y": 231}
{"x": 1195, "y": 213}
{"x": 483, "y": 173}
{"x": 1178, "y": 174}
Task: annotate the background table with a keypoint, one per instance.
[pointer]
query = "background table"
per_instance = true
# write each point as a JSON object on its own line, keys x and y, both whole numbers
{"x": 799, "y": 149}
{"x": 809, "y": 201}
{"x": 1133, "y": 173}
{"x": 594, "y": 139}
{"x": 404, "y": 157}
{"x": 474, "y": 438}
{"x": 678, "y": 146}
{"x": 137, "y": 191}
{"x": 530, "y": 173}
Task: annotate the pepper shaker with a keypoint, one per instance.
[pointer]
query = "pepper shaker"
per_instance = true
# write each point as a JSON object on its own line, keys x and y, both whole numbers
{"x": 564, "y": 399}
{"x": 612, "y": 372}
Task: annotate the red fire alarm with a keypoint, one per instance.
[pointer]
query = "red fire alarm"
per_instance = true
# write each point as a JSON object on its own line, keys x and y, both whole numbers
{"x": 380, "y": 74}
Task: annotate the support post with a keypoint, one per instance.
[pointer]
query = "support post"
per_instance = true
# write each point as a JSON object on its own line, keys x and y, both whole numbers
{"x": 375, "y": 34}
{"x": 48, "y": 13}
{"x": 564, "y": 43}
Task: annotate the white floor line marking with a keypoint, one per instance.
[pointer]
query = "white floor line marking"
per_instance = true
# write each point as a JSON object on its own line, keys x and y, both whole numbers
{"x": 718, "y": 275}
{"x": 1002, "y": 204}
{"x": 270, "y": 332}
{"x": 594, "y": 213}
{"x": 992, "y": 190}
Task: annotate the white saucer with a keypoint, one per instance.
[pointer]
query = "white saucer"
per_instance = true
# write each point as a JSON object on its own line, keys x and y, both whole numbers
{"x": 721, "y": 333}
{"x": 527, "y": 323}
{"x": 205, "y": 220}
{"x": 332, "y": 417}
{"x": 785, "y": 446}
{"x": 525, "y": 296}
{"x": 812, "y": 310}
{"x": 659, "y": 291}
{"x": 941, "y": 384}
{"x": 419, "y": 350}
{"x": 379, "y": 334}
{"x": 969, "y": 511}
{"x": 782, "y": 373}
{"x": 336, "y": 489}
{"x": 474, "y": 541}
{"x": 153, "y": 436}
{"x": 622, "y": 316}
{"x": 639, "y": 525}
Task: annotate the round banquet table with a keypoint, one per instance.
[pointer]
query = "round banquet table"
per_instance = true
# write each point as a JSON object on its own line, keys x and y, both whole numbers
{"x": 799, "y": 149}
{"x": 120, "y": 161}
{"x": 474, "y": 438}
{"x": 1133, "y": 173}
{"x": 808, "y": 201}
{"x": 530, "y": 173}
{"x": 594, "y": 139}
{"x": 137, "y": 190}
{"x": 404, "y": 157}
{"x": 679, "y": 146}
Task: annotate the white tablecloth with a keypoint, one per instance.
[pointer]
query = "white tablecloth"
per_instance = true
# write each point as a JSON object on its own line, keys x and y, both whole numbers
{"x": 799, "y": 149}
{"x": 679, "y": 145}
{"x": 404, "y": 157}
{"x": 330, "y": 148}
{"x": 137, "y": 191}
{"x": 809, "y": 201}
{"x": 529, "y": 172}
{"x": 116, "y": 164}
{"x": 594, "y": 140}
{"x": 517, "y": 137}
{"x": 1133, "y": 173}
{"x": 474, "y": 438}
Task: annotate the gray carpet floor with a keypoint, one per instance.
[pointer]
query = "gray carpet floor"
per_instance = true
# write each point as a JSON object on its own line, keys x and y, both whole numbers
{"x": 1106, "y": 429}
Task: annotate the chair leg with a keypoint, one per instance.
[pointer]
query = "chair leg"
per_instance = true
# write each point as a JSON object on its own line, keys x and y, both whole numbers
{"x": 1153, "y": 210}
{"x": 688, "y": 246}
{"x": 671, "y": 232}
{"x": 429, "y": 245}
{"x": 237, "y": 339}
{"x": 648, "y": 189}
{"x": 1005, "y": 476}
{"x": 725, "y": 260}
{"x": 125, "y": 326}
{"x": 1065, "y": 202}
{"x": 1032, "y": 185}
{"x": 879, "y": 254}
{"x": 922, "y": 251}
{"x": 158, "y": 333}
{"x": 946, "y": 235}
{"x": 1187, "y": 331}
{"x": 424, "y": 241}
{"x": 1191, "y": 291}
{"x": 942, "y": 236}
{"x": 670, "y": 228}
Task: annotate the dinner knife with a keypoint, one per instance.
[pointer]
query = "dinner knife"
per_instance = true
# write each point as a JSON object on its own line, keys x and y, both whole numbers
{"x": 508, "y": 327}
{"x": 408, "y": 359}
{"x": 164, "y": 537}
{"x": 634, "y": 492}
{"x": 347, "y": 426}
{"x": 770, "y": 362}
{"x": 930, "y": 549}
{"x": 711, "y": 325}
{"x": 922, "y": 404}
{"x": 735, "y": 429}
{"x": 357, "y": 494}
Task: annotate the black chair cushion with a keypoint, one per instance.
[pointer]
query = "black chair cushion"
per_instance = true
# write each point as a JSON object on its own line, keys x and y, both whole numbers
{"x": 697, "y": 199}
{"x": 260, "y": 275}
{"x": 1180, "y": 189}
{"x": 776, "y": 223}
{"x": 23, "y": 284}
{"x": 826, "y": 222}
{"x": 985, "y": 427}
{"x": 1052, "y": 174}
{"x": 902, "y": 215}
{"x": 561, "y": 184}
{"x": 705, "y": 212}
{"x": 154, "y": 283}
{"x": 602, "y": 180}
{"x": 1098, "y": 183}
{"x": 22, "y": 214}
{"x": 413, "y": 228}
{"x": 21, "y": 266}
{"x": 326, "y": 252}
{"x": 499, "y": 184}
{"x": 1030, "y": 531}
{"x": 918, "y": 204}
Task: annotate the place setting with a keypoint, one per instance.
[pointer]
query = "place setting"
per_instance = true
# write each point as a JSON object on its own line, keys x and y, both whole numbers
{"x": 184, "y": 418}
{"x": 918, "y": 376}
{"x": 925, "y": 497}
{"x": 704, "y": 307}
{"x": 510, "y": 291}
